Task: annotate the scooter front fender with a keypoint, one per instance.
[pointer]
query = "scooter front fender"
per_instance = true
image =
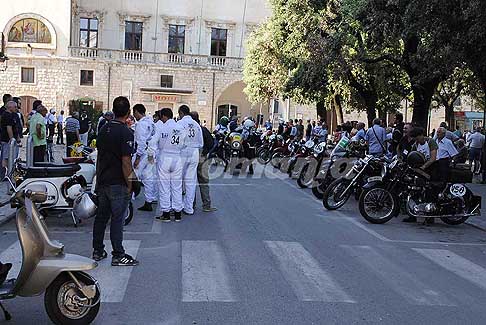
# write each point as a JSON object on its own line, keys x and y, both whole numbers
{"x": 49, "y": 268}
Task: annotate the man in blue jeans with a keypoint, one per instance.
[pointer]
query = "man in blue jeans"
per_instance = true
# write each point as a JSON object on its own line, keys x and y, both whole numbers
{"x": 113, "y": 185}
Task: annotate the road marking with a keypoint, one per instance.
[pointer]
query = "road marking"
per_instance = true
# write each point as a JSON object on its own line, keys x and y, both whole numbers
{"x": 205, "y": 276}
{"x": 456, "y": 264}
{"x": 309, "y": 281}
{"x": 113, "y": 280}
{"x": 403, "y": 281}
{"x": 363, "y": 227}
{"x": 13, "y": 254}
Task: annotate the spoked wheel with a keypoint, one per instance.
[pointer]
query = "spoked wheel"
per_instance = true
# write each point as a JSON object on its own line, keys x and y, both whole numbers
{"x": 276, "y": 160}
{"x": 378, "y": 205}
{"x": 264, "y": 156}
{"x": 66, "y": 304}
{"x": 334, "y": 196}
{"x": 454, "y": 221}
{"x": 129, "y": 216}
{"x": 306, "y": 178}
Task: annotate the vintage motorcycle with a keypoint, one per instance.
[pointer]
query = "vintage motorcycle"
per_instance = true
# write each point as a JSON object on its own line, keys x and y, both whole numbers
{"x": 407, "y": 185}
{"x": 364, "y": 170}
{"x": 71, "y": 295}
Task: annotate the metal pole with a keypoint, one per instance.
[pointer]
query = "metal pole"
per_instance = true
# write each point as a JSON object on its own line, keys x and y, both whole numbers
{"x": 29, "y": 154}
{"x": 243, "y": 27}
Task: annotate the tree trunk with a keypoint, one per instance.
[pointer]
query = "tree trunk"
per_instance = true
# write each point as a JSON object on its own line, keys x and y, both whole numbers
{"x": 321, "y": 111}
{"x": 449, "y": 115}
{"x": 370, "y": 100}
{"x": 338, "y": 109}
{"x": 422, "y": 98}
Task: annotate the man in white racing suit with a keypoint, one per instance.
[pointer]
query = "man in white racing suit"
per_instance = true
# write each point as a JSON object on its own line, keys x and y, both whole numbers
{"x": 144, "y": 130}
{"x": 190, "y": 156}
{"x": 168, "y": 142}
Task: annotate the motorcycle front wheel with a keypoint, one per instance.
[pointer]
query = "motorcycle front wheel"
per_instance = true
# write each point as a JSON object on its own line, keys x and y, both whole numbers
{"x": 264, "y": 156}
{"x": 334, "y": 196}
{"x": 378, "y": 206}
{"x": 318, "y": 188}
{"x": 454, "y": 221}
{"x": 129, "y": 216}
{"x": 305, "y": 177}
{"x": 64, "y": 305}
{"x": 276, "y": 160}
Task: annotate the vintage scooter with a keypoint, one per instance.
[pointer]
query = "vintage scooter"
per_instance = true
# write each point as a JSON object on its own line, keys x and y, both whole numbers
{"x": 71, "y": 295}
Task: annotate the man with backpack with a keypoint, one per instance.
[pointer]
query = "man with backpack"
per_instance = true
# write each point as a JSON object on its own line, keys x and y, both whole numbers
{"x": 203, "y": 166}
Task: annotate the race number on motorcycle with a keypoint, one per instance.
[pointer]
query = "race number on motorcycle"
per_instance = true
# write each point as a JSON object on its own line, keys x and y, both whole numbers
{"x": 458, "y": 190}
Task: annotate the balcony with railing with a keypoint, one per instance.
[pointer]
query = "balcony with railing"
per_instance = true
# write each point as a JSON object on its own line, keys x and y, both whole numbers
{"x": 170, "y": 59}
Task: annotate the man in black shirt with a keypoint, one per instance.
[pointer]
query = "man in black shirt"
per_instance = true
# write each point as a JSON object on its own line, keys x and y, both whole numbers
{"x": 8, "y": 129}
{"x": 114, "y": 185}
{"x": 84, "y": 127}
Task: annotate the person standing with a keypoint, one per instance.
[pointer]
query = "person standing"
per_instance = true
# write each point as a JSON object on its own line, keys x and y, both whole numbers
{"x": 37, "y": 129}
{"x": 190, "y": 156}
{"x": 300, "y": 129}
{"x": 8, "y": 131}
{"x": 360, "y": 134}
{"x": 72, "y": 132}
{"x": 308, "y": 130}
{"x": 60, "y": 124}
{"x": 445, "y": 153}
{"x": 114, "y": 174}
{"x": 376, "y": 137}
{"x": 167, "y": 143}
{"x": 203, "y": 167}
{"x": 144, "y": 129}
{"x": 84, "y": 128}
{"x": 475, "y": 143}
{"x": 483, "y": 163}
{"x": 51, "y": 129}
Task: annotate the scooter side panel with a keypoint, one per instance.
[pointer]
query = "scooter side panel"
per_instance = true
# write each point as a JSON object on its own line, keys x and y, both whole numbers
{"x": 49, "y": 268}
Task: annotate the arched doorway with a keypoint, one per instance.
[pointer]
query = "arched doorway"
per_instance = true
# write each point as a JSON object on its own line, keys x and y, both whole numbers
{"x": 26, "y": 105}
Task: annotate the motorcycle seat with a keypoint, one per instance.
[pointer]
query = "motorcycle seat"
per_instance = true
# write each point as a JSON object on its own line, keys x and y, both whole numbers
{"x": 52, "y": 171}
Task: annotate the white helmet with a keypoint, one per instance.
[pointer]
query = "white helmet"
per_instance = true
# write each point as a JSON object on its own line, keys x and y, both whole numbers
{"x": 249, "y": 124}
{"x": 84, "y": 207}
{"x": 74, "y": 191}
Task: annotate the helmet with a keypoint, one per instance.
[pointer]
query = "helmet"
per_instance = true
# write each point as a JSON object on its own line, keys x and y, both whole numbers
{"x": 74, "y": 191}
{"x": 249, "y": 124}
{"x": 224, "y": 121}
{"x": 415, "y": 159}
{"x": 84, "y": 206}
{"x": 77, "y": 150}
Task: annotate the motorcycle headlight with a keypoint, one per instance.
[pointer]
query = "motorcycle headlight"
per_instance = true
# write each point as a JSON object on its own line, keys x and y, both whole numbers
{"x": 235, "y": 145}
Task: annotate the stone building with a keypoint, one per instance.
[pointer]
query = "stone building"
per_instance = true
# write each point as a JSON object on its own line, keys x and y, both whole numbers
{"x": 161, "y": 53}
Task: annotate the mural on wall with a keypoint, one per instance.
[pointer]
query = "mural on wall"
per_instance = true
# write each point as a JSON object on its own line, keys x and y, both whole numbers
{"x": 29, "y": 30}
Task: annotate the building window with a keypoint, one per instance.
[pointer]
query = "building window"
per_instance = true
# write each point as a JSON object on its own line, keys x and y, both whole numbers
{"x": 133, "y": 36}
{"x": 218, "y": 41}
{"x": 88, "y": 32}
{"x": 86, "y": 78}
{"x": 166, "y": 81}
{"x": 29, "y": 30}
{"x": 27, "y": 75}
{"x": 177, "y": 35}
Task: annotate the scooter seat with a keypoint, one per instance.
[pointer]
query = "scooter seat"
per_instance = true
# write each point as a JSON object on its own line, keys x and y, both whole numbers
{"x": 58, "y": 171}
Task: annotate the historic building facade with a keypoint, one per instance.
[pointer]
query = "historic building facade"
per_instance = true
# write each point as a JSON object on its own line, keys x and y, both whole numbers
{"x": 161, "y": 53}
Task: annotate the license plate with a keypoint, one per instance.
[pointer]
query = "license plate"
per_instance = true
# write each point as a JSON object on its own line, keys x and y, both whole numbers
{"x": 374, "y": 179}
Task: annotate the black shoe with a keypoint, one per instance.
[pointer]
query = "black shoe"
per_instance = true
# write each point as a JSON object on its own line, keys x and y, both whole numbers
{"x": 410, "y": 220}
{"x": 146, "y": 207}
{"x": 177, "y": 216}
{"x": 125, "y": 260}
{"x": 98, "y": 256}
{"x": 165, "y": 217}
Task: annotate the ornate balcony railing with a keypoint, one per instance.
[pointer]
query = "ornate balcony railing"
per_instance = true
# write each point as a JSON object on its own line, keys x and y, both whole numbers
{"x": 138, "y": 57}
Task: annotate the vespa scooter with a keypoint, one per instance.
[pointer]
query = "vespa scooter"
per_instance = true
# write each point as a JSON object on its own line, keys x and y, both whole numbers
{"x": 71, "y": 296}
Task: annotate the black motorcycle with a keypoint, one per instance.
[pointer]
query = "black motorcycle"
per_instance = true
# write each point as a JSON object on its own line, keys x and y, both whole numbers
{"x": 364, "y": 170}
{"x": 408, "y": 186}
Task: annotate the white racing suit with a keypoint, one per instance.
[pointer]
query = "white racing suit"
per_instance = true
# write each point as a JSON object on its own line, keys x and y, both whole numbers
{"x": 190, "y": 155}
{"x": 167, "y": 143}
{"x": 146, "y": 173}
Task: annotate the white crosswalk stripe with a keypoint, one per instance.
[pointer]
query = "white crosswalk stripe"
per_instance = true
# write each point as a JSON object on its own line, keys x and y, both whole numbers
{"x": 456, "y": 264}
{"x": 113, "y": 280}
{"x": 309, "y": 281}
{"x": 205, "y": 276}
{"x": 403, "y": 281}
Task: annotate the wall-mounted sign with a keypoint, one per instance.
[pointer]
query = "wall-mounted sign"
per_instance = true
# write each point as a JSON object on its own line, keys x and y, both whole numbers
{"x": 166, "y": 98}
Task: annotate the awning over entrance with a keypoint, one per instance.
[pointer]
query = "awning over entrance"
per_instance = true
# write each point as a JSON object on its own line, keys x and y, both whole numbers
{"x": 166, "y": 91}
